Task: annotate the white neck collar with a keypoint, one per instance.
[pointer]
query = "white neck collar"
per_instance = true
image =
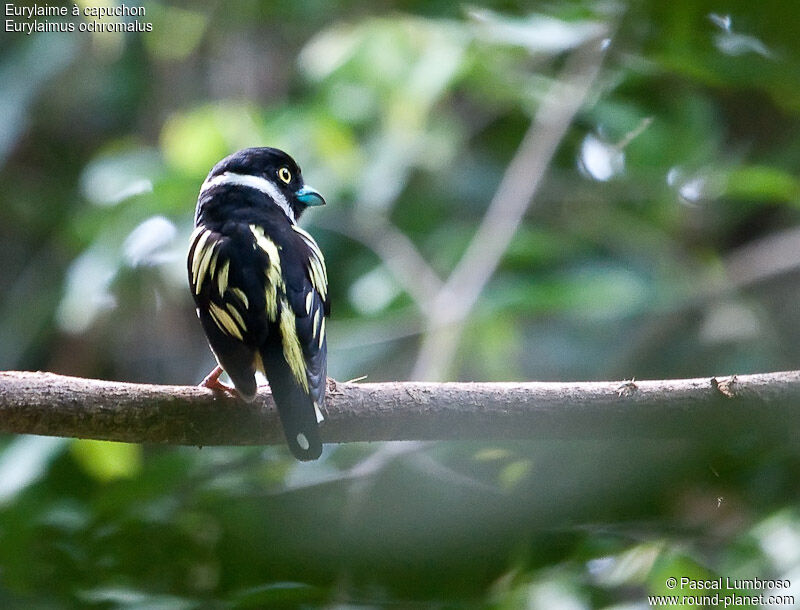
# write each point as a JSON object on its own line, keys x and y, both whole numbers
{"x": 255, "y": 182}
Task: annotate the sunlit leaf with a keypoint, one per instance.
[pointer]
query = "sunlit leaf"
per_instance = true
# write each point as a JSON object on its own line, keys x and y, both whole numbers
{"x": 538, "y": 33}
{"x": 762, "y": 183}
{"x": 147, "y": 243}
{"x": 86, "y": 293}
{"x": 193, "y": 142}
{"x": 113, "y": 178}
{"x": 108, "y": 461}
{"x": 176, "y": 32}
{"x": 514, "y": 472}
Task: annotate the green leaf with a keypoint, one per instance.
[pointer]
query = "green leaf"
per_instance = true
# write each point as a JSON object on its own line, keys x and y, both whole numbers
{"x": 107, "y": 461}
{"x": 762, "y": 183}
{"x": 176, "y": 31}
{"x": 193, "y": 142}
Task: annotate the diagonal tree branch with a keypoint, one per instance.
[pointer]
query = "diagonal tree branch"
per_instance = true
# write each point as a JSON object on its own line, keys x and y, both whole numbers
{"x": 54, "y": 405}
{"x": 522, "y": 178}
{"x": 395, "y": 250}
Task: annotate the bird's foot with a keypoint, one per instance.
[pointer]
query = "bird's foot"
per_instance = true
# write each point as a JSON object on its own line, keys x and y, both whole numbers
{"x": 212, "y": 382}
{"x": 332, "y": 385}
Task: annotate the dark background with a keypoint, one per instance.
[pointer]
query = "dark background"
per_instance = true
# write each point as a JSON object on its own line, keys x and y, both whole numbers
{"x": 663, "y": 241}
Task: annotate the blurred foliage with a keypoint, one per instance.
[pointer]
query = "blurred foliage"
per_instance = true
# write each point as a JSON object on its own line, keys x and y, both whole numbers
{"x": 651, "y": 250}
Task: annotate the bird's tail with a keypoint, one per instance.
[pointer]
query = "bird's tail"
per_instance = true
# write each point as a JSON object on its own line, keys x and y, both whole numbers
{"x": 295, "y": 407}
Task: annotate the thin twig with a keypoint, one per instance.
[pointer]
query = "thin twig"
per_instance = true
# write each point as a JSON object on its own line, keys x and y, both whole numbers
{"x": 396, "y": 251}
{"x": 458, "y": 296}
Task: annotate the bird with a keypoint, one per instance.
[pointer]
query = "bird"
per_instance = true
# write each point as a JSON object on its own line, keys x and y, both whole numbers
{"x": 260, "y": 285}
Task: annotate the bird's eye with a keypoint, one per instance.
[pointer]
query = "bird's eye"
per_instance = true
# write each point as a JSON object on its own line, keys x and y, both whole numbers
{"x": 285, "y": 175}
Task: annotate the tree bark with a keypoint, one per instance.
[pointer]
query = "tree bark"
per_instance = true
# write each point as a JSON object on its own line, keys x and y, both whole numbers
{"x": 54, "y": 405}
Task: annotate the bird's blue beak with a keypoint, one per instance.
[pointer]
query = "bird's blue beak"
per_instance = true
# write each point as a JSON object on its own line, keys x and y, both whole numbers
{"x": 309, "y": 196}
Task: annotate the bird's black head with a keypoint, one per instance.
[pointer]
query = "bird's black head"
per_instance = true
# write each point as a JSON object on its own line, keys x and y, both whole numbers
{"x": 270, "y": 171}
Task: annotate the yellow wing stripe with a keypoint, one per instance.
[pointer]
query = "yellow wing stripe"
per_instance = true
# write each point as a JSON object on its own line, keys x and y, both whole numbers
{"x": 195, "y": 234}
{"x": 311, "y": 244}
{"x": 197, "y": 253}
{"x": 271, "y": 296}
{"x": 273, "y": 272}
{"x": 318, "y": 278}
{"x": 202, "y": 269}
{"x": 292, "y": 351}
{"x": 241, "y": 296}
{"x": 212, "y": 266}
{"x": 236, "y": 316}
{"x": 224, "y": 321}
{"x": 222, "y": 278}
{"x": 316, "y": 269}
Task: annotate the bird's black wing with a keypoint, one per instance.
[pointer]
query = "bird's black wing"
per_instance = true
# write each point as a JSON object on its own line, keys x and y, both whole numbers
{"x": 308, "y": 297}
{"x": 295, "y": 365}
{"x": 227, "y": 281}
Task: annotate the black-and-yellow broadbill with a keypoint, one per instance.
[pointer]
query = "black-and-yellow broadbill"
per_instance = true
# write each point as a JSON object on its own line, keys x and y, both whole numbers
{"x": 261, "y": 289}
